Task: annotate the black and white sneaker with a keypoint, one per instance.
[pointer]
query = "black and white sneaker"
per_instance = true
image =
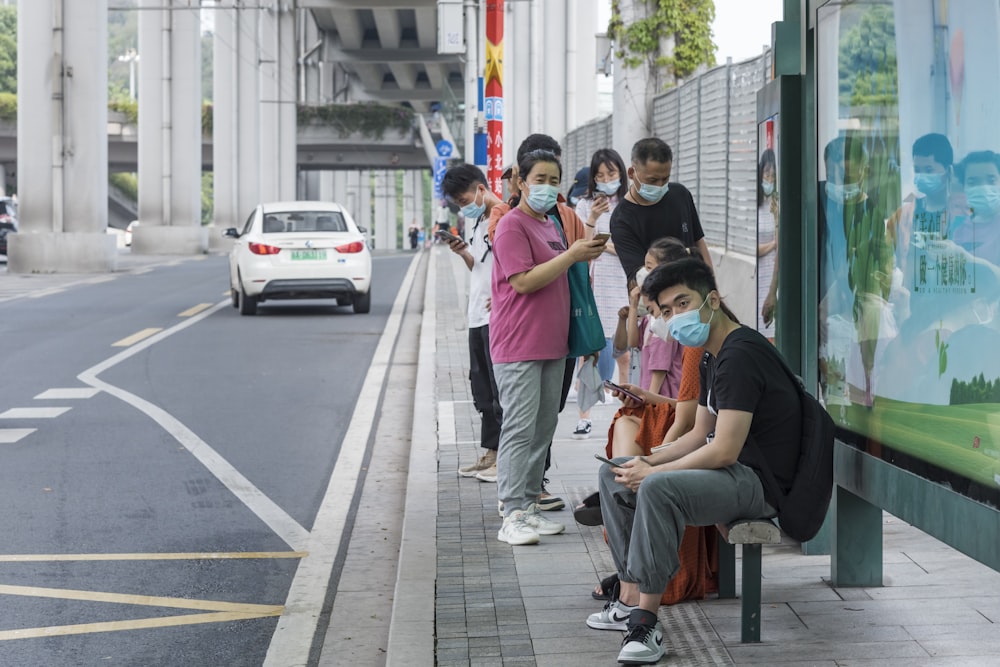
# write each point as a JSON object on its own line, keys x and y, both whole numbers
{"x": 614, "y": 616}
{"x": 583, "y": 429}
{"x": 643, "y": 645}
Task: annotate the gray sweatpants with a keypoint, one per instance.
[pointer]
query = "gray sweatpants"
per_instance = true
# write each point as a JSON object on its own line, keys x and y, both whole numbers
{"x": 529, "y": 398}
{"x": 644, "y": 528}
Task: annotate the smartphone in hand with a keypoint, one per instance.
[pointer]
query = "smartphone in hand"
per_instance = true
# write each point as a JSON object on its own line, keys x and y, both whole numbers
{"x": 604, "y": 236}
{"x": 445, "y": 236}
{"x": 622, "y": 390}
{"x": 605, "y": 460}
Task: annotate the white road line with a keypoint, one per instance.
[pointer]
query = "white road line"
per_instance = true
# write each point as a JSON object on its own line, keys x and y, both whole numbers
{"x": 33, "y": 413}
{"x": 293, "y": 637}
{"x": 9, "y": 436}
{"x": 266, "y": 509}
{"x": 66, "y": 393}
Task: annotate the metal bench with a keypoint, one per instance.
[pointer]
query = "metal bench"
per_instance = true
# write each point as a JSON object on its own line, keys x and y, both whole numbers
{"x": 751, "y": 533}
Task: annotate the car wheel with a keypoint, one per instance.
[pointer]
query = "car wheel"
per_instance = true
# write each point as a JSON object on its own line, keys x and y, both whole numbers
{"x": 235, "y": 296}
{"x": 363, "y": 302}
{"x": 248, "y": 304}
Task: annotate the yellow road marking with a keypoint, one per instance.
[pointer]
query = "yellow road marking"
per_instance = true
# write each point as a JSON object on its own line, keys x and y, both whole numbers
{"x": 140, "y": 624}
{"x": 195, "y": 310}
{"x": 144, "y": 600}
{"x": 136, "y": 337}
{"x": 220, "y": 555}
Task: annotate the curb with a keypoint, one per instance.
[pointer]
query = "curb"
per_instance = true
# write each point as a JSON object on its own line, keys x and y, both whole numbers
{"x": 411, "y": 629}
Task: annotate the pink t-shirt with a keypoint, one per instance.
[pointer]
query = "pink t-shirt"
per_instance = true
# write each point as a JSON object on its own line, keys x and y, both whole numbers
{"x": 527, "y": 327}
{"x": 659, "y": 355}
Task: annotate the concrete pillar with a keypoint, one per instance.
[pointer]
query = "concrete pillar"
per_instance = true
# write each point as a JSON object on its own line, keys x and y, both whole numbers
{"x": 248, "y": 186}
{"x": 391, "y": 200}
{"x": 351, "y": 196}
{"x": 62, "y": 106}
{"x": 4, "y": 169}
{"x": 337, "y": 187}
{"x": 364, "y": 216}
{"x": 551, "y": 105}
{"x": 517, "y": 78}
{"x": 278, "y": 88}
{"x": 381, "y": 211}
{"x": 633, "y": 98}
{"x": 418, "y": 196}
{"x": 308, "y": 185}
{"x": 225, "y": 141}
{"x": 472, "y": 73}
{"x": 409, "y": 215}
{"x": 169, "y": 130}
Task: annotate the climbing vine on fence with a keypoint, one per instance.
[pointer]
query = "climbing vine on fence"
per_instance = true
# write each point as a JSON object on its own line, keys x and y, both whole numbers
{"x": 688, "y": 22}
{"x": 369, "y": 119}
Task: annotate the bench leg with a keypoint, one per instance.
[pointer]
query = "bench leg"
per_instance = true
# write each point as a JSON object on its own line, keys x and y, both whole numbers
{"x": 750, "y": 604}
{"x": 727, "y": 569}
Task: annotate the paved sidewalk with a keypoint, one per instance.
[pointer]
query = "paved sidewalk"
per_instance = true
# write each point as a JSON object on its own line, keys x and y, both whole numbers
{"x": 503, "y": 605}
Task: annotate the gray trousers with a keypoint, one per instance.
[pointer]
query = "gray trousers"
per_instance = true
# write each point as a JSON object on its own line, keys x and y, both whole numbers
{"x": 644, "y": 528}
{"x": 529, "y": 398}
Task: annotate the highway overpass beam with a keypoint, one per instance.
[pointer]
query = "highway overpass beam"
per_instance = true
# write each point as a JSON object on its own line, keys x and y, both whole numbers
{"x": 169, "y": 130}
{"x": 62, "y": 150}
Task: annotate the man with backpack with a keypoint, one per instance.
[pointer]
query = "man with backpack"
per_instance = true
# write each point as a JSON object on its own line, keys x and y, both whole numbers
{"x": 738, "y": 462}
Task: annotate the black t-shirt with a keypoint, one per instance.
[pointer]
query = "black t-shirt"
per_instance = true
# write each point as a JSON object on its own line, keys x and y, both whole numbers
{"x": 747, "y": 375}
{"x": 635, "y": 227}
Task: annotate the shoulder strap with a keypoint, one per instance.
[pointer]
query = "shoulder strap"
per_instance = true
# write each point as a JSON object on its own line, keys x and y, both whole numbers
{"x": 558, "y": 223}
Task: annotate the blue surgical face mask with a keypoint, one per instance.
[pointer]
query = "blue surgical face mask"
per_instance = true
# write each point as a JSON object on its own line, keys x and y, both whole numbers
{"x": 542, "y": 197}
{"x": 767, "y": 187}
{"x": 929, "y": 183}
{"x": 688, "y": 329}
{"x": 474, "y": 211}
{"x": 652, "y": 193}
{"x": 610, "y": 188}
{"x": 984, "y": 200}
{"x": 843, "y": 193}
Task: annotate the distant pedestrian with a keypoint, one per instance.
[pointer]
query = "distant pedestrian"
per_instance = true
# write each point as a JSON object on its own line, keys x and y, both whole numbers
{"x": 414, "y": 235}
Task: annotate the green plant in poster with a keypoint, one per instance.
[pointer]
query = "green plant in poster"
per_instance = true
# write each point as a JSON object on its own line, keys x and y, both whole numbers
{"x": 942, "y": 352}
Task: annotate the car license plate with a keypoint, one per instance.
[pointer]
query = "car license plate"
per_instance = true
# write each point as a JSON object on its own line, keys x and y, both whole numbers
{"x": 308, "y": 254}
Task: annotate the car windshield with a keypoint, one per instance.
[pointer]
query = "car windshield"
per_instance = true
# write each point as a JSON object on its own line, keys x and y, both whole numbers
{"x": 304, "y": 222}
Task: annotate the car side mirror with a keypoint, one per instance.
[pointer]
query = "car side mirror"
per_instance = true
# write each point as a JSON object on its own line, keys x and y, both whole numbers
{"x": 231, "y": 233}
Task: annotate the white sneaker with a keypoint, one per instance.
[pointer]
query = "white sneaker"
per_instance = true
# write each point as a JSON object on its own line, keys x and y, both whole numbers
{"x": 583, "y": 428}
{"x": 541, "y": 524}
{"x": 614, "y": 616}
{"x": 643, "y": 645}
{"x": 516, "y": 531}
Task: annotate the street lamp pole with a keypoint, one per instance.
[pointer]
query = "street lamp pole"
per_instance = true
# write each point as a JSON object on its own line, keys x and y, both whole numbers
{"x": 130, "y": 57}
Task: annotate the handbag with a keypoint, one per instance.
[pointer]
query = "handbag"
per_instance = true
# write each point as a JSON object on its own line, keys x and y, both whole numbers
{"x": 586, "y": 334}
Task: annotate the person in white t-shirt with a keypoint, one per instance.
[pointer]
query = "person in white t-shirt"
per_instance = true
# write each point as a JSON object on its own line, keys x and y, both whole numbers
{"x": 465, "y": 186}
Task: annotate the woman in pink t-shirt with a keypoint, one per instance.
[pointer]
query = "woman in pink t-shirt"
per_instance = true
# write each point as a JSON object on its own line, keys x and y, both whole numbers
{"x": 529, "y": 327}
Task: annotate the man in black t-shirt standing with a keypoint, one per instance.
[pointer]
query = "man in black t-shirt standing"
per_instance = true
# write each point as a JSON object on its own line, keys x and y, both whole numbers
{"x": 653, "y": 208}
{"x": 706, "y": 476}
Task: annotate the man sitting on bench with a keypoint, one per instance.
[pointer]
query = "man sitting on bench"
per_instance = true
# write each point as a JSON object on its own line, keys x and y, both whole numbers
{"x": 706, "y": 476}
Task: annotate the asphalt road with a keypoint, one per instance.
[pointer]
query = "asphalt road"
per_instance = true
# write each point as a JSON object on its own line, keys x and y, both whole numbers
{"x": 158, "y": 513}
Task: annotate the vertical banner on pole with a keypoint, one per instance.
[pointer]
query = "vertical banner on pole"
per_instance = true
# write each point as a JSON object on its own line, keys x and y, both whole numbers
{"x": 493, "y": 104}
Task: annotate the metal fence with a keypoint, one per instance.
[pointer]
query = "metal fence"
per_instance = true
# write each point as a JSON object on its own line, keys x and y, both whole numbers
{"x": 710, "y": 122}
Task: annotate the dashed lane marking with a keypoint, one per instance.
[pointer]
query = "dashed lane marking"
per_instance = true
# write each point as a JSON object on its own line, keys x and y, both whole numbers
{"x": 8, "y": 436}
{"x": 136, "y": 337}
{"x": 33, "y": 413}
{"x": 194, "y": 310}
{"x": 208, "y": 555}
{"x": 67, "y": 393}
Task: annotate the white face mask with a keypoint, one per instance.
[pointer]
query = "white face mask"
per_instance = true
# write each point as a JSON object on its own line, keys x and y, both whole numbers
{"x": 641, "y": 275}
{"x": 658, "y": 327}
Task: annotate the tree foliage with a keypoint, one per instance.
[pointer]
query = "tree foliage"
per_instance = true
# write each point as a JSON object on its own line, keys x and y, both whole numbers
{"x": 867, "y": 60}
{"x": 978, "y": 390}
{"x": 685, "y": 23}
{"x": 8, "y": 49}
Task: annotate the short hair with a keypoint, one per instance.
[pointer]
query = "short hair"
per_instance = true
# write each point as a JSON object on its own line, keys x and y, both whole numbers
{"x": 977, "y": 157}
{"x": 611, "y": 157}
{"x": 845, "y": 146}
{"x": 460, "y": 179}
{"x": 527, "y": 162}
{"x": 534, "y": 142}
{"x": 691, "y": 272}
{"x": 653, "y": 149}
{"x": 935, "y": 146}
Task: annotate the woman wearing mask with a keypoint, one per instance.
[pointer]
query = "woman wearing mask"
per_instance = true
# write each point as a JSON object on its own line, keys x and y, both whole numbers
{"x": 529, "y": 325}
{"x": 606, "y": 186}
{"x": 767, "y": 242}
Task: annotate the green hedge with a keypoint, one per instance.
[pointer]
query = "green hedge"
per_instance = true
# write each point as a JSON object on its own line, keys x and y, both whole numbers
{"x": 127, "y": 183}
{"x": 370, "y": 119}
{"x": 8, "y": 106}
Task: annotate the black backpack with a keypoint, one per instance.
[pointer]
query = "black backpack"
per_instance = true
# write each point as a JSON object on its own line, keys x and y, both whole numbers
{"x": 802, "y": 510}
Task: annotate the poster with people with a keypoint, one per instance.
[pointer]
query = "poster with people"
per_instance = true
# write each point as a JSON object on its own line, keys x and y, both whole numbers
{"x": 767, "y": 225}
{"x": 909, "y": 231}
